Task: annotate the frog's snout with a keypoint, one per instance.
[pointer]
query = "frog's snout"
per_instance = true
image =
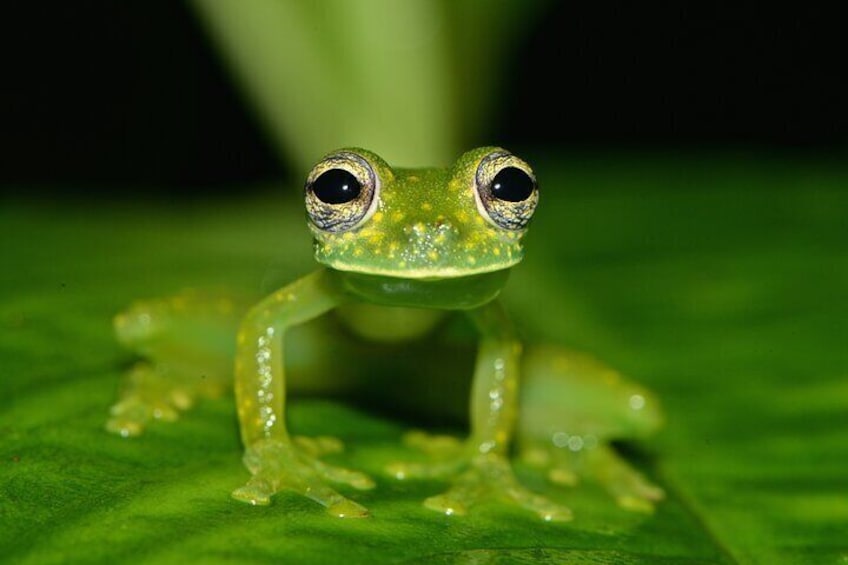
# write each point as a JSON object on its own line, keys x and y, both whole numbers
{"x": 438, "y": 232}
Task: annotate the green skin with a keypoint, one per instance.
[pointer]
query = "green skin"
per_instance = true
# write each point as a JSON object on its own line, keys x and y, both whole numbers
{"x": 426, "y": 242}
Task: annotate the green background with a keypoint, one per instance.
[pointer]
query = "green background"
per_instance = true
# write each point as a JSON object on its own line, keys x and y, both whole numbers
{"x": 718, "y": 281}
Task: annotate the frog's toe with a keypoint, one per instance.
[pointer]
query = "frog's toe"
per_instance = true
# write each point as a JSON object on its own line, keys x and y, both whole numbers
{"x": 546, "y": 510}
{"x": 402, "y": 470}
{"x": 563, "y": 477}
{"x": 637, "y": 494}
{"x": 449, "y": 503}
{"x": 559, "y": 470}
{"x": 125, "y": 427}
{"x": 630, "y": 488}
{"x": 635, "y": 504}
{"x": 436, "y": 445}
{"x": 180, "y": 399}
{"x": 355, "y": 479}
{"x": 446, "y": 457}
{"x": 257, "y": 492}
{"x": 319, "y": 445}
{"x": 347, "y": 509}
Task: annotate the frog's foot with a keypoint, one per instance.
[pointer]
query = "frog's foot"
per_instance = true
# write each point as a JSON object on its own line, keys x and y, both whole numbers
{"x": 476, "y": 478}
{"x": 630, "y": 488}
{"x": 565, "y": 466}
{"x": 490, "y": 477}
{"x": 150, "y": 395}
{"x": 280, "y": 465}
{"x": 447, "y": 457}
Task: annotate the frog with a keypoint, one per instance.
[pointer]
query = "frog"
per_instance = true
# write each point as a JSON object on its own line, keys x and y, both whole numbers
{"x": 398, "y": 249}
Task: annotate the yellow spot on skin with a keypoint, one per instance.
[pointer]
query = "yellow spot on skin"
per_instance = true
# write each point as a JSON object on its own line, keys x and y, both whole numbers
{"x": 357, "y": 252}
{"x": 377, "y": 217}
{"x": 471, "y": 260}
{"x": 376, "y": 237}
{"x": 426, "y": 206}
{"x": 398, "y": 216}
{"x": 496, "y": 251}
{"x": 479, "y": 220}
{"x": 432, "y": 255}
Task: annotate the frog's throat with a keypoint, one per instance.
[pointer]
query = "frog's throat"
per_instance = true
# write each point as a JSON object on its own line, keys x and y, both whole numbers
{"x": 450, "y": 293}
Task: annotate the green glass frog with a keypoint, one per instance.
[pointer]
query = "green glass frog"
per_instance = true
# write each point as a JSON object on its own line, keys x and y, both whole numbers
{"x": 418, "y": 242}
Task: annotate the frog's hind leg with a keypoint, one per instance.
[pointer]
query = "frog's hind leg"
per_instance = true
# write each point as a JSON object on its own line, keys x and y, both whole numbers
{"x": 595, "y": 462}
{"x": 187, "y": 343}
{"x": 572, "y": 406}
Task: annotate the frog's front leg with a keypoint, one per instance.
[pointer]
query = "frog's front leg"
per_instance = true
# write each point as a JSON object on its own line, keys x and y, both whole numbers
{"x": 276, "y": 460}
{"x": 481, "y": 466}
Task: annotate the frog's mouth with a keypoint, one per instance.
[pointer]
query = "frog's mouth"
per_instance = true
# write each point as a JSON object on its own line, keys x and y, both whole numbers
{"x": 427, "y": 273}
{"x": 461, "y": 292}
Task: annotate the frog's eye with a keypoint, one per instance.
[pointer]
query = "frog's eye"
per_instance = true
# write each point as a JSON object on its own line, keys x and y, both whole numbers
{"x": 505, "y": 190}
{"x": 341, "y": 192}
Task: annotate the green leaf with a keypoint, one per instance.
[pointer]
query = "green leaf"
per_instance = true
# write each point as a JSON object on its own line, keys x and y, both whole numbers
{"x": 720, "y": 284}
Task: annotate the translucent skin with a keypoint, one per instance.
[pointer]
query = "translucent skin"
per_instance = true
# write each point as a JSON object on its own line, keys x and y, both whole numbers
{"x": 425, "y": 242}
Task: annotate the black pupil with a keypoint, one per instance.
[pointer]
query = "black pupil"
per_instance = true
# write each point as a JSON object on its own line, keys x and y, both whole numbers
{"x": 512, "y": 184}
{"x": 336, "y": 186}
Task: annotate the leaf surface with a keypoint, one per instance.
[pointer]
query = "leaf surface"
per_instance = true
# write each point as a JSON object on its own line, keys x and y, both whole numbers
{"x": 720, "y": 285}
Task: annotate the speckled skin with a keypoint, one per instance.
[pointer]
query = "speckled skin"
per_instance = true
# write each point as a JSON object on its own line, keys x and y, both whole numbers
{"x": 418, "y": 239}
{"x": 426, "y": 225}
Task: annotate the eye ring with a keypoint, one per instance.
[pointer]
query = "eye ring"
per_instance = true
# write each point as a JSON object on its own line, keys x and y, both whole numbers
{"x": 505, "y": 190}
{"x": 341, "y": 192}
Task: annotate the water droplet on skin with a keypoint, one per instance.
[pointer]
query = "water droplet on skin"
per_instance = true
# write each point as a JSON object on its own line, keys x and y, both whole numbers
{"x": 560, "y": 439}
{"x": 575, "y": 443}
{"x": 637, "y": 402}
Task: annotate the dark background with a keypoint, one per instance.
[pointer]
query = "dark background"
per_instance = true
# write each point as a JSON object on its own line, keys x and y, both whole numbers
{"x": 131, "y": 93}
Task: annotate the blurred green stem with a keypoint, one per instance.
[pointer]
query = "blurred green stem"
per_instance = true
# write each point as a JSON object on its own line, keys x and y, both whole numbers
{"x": 413, "y": 80}
{"x": 335, "y": 73}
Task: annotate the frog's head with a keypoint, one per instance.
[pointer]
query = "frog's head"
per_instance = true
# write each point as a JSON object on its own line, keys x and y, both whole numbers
{"x": 420, "y": 223}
